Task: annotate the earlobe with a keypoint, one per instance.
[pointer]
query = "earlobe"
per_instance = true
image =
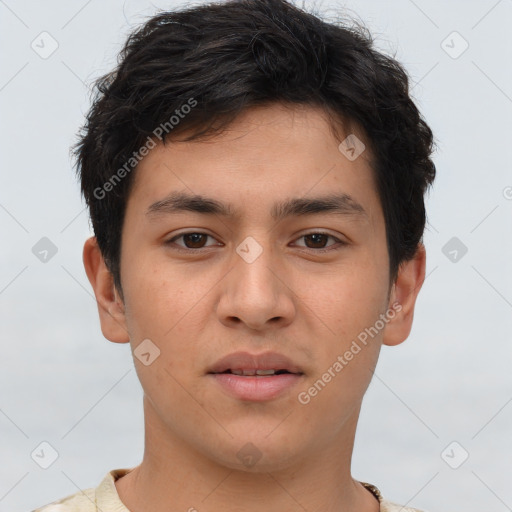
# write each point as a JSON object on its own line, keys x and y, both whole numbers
{"x": 110, "y": 306}
{"x": 411, "y": 276}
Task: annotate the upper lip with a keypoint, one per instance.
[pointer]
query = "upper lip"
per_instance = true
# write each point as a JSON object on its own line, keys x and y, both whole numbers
{"x": 248, "y": 361}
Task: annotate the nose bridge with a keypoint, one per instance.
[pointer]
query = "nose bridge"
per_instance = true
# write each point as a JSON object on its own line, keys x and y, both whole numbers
{"x": 254, "y": 293}
{"x": 254, "y": 269}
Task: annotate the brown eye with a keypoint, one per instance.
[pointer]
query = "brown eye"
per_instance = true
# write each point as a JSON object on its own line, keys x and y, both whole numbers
{"x": 191, "y": 241}
{"x": 318, "y": 240}
{"x": 195, "y": 240}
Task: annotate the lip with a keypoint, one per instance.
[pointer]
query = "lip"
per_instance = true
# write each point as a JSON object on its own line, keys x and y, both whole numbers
{"x": 255, "y": 388}
{"x": 248, "y": 361}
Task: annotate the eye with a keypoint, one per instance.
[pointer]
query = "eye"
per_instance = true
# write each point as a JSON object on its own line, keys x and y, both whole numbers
{"x": 192, "y": 240}
{"x": 317, "y": 241}
{"x": 196, "y": 240}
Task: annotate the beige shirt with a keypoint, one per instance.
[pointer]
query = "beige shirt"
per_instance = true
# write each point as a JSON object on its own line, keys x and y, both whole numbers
{"x": 105, "y": 498}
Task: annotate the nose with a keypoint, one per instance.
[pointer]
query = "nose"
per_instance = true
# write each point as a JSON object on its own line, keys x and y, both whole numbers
{"x": 255, "y": 292}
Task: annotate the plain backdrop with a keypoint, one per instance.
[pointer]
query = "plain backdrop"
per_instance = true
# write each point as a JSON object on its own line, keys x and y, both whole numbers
{"x": 435, "y": 427}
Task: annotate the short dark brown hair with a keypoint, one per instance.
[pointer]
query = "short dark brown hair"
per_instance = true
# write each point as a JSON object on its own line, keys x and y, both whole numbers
{"x": 198, "y": 68}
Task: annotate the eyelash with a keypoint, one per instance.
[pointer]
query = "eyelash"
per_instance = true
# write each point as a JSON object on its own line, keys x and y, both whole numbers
{"x": 340, "y": 244}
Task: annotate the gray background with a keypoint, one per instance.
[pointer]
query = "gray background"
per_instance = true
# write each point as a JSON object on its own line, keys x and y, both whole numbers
{"x": 63, "y": 383}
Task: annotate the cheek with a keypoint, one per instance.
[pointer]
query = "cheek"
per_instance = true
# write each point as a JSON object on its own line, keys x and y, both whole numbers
{"x": 349, "y": 347}
{"x": 162, "y": 297}
{"x": 164, "y": 305}
{"x": 169, "y": 306}
{"x": 352, "y": 298}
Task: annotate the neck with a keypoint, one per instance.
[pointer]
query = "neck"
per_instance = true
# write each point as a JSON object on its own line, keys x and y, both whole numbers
{"x": 174, "y": 477}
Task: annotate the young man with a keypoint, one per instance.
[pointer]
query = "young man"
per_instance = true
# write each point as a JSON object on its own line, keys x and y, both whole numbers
{"x": 255, "y": 178}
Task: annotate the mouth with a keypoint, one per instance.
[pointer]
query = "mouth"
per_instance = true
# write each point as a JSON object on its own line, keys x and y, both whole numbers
{"x": 249, "y": 365}
{"x": 257, "y": 373}
{"x": 256, "y": 377}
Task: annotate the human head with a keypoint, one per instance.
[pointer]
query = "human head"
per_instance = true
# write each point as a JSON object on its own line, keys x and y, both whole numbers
{"x": 198, "y": 69}
{"x": 258, "y": 144}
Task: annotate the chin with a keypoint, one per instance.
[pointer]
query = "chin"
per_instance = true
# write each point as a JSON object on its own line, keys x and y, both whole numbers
{"x": 258, "y": 452}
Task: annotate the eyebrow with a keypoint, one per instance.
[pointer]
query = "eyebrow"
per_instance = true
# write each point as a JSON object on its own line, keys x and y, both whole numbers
{"x": 177, "y": 202}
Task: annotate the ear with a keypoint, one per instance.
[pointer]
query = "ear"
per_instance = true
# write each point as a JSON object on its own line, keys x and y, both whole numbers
{"x": 406, "y": 287}
{"x": 110, "y": 306}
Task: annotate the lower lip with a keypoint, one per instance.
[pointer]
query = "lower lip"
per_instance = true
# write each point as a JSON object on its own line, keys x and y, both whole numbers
{"x": 256, "y": 389}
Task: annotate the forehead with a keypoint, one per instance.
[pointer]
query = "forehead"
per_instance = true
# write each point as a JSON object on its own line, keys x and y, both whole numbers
{"x": 267, "y": 156}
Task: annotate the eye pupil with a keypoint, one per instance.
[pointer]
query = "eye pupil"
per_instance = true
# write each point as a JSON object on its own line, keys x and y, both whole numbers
{"x": 317, "y": 238}
{"x": 195, "y": 239}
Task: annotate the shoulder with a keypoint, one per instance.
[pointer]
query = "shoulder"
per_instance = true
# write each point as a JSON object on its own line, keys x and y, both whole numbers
{"x": 83, "y": 501}
{"x": 103, "y": 498}
{"x": 389, "y": 506}
{"x": 385, "y": 505}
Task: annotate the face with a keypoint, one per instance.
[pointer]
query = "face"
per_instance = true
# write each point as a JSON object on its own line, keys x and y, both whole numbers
{"x": 263, "y": 248}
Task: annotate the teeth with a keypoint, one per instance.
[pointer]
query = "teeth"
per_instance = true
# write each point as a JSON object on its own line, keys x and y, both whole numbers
{"x": 265, "y": 372}
{"x": 253, "y": 372}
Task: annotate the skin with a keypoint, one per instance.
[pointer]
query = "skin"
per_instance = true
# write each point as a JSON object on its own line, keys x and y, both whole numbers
{"x": 199, "y": 306}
